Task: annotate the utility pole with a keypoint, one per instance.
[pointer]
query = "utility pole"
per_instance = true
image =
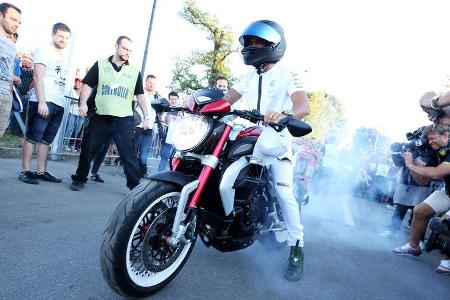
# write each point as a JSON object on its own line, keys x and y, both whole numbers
{"x": 144, "y": 61}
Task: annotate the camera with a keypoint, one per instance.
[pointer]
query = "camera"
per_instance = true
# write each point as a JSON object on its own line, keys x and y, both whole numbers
{"x": 434, "y": 113}
{"x": 440, "y": 236}
{"x": 417, "y": 145}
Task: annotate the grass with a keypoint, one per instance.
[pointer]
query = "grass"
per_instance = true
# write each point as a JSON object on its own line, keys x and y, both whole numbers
{"x": 11, "y": 141}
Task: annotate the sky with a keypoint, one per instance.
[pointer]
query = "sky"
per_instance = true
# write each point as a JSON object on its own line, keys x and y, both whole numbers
{"x": 377, "y": 57}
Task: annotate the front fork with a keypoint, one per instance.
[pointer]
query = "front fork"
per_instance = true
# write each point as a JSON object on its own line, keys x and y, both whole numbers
{"x": 209, "y": 162}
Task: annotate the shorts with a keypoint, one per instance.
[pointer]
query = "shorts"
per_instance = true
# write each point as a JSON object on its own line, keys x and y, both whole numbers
{"x": 439, "y": 202}
{"x": 43, "y": 130}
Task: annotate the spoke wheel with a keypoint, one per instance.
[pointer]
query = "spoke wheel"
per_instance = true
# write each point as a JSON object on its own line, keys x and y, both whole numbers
{"x": 135, "y": 257}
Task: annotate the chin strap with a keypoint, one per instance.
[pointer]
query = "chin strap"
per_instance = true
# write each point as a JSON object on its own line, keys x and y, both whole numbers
{"x": 261, "y": 68}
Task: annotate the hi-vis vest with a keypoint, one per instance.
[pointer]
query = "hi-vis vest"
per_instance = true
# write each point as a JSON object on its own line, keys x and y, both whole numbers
{"x": 115, "y": 90}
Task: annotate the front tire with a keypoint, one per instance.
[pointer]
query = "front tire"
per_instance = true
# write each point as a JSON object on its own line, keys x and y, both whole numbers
{"x": 134, "y": 257}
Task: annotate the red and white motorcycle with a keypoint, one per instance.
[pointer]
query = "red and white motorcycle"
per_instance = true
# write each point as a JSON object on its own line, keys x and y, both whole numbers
{"x": 216, "y": 190}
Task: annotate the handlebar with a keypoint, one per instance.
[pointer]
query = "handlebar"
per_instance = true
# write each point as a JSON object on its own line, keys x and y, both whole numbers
{"x": 255, "y": 116}
{"x": 296, "y": 127}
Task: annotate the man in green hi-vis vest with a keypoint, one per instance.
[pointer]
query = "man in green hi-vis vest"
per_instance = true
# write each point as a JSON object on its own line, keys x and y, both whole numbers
{"x": 111, "y": 115}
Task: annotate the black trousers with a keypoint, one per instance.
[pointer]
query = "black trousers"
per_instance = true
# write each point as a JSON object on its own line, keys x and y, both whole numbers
{"x": 97, "y": 133}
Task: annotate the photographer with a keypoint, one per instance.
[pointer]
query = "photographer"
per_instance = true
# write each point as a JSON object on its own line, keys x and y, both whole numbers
{"x": 437, "y": 107}
{"x": 409, "y": 192}
{"x": 438, "y": 202}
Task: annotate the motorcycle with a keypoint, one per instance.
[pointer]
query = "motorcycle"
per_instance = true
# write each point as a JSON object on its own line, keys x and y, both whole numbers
{"x": 216, "y": 191}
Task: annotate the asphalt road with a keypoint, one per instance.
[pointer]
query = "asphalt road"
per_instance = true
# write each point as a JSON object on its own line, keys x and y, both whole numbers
{"x": 50, "y": 239}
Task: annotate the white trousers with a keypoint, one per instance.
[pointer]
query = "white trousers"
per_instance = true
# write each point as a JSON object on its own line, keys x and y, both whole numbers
{"x": 282, "y": 176}
{"x": 275, "y": 149}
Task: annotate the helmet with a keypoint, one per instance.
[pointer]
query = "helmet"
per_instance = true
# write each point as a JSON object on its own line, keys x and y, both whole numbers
{"x": 269, "y": 31}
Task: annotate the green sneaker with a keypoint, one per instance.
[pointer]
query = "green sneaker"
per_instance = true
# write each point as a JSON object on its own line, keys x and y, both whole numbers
{"x": 294, "y": 270}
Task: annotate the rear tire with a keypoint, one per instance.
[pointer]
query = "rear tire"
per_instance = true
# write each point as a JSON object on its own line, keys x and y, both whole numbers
{"x": 134, "y": 257}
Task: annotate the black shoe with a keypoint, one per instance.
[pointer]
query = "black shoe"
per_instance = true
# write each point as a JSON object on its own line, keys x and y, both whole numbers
{"x": 96, "y": 178}
{"x": 294, "y": 270}
{"x": 46, "y": 176}
{"x": 28, "y": 177}
{"x": 77, "y": 185}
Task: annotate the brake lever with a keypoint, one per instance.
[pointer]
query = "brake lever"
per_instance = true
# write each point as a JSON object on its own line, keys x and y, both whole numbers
{"x": 281, "y": 125}
{"x": 278, "y": 127}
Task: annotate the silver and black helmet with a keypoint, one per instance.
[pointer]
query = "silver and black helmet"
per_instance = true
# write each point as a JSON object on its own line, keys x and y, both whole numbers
{"x": 270, "y": 32}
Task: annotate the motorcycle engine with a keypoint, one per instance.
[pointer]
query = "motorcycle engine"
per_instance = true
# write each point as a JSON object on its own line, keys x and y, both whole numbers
{"x": 252, "y": 203}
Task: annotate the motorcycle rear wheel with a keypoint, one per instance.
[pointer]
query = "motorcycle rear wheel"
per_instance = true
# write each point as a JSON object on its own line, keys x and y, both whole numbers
{"x": 134, "y": 257}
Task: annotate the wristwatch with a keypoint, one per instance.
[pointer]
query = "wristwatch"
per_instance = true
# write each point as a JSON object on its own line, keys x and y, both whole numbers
{"x": 434, "y": 104}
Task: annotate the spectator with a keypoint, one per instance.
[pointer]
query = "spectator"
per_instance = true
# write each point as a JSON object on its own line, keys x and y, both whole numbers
{"x": 166, "y": 145}
{"x": 143, "y": 137}
{"x": 438, "y": 202}
{"x": 10, "y": 20}
{"x": 46, "y": 106}
{"x": 222, "y": 83}
{"x": 74, "y": 120}
{"x": 117, "y": 83}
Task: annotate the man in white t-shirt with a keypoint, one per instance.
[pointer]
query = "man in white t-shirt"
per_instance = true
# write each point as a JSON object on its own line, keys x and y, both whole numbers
{"x": 276, "y": 92}
{"x": 46, "y": 105}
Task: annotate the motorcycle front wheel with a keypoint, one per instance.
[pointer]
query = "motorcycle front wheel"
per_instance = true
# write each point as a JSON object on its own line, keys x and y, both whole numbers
{"x": 135, "y": 259}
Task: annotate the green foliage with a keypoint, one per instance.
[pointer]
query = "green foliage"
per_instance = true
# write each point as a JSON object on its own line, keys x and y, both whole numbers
{"x": 325, "y": 117}
{"x": 11, "y": 141}
{"x": 202, "y": 67}
{"x": 183, "y": 80}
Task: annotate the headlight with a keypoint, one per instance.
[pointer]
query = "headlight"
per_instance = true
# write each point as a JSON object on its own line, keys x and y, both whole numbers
{"x": 189, "y": 132}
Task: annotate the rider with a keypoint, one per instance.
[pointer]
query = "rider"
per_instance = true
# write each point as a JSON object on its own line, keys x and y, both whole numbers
{"x": 277, "y": 93}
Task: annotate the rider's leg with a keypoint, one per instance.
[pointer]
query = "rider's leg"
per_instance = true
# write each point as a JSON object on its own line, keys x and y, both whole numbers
{"x": 282, "y": 174}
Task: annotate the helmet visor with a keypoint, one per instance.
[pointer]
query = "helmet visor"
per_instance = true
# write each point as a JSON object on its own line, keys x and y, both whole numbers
{"x": 261, "y": 30}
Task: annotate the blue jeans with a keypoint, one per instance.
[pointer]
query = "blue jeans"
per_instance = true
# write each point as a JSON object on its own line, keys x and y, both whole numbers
{"x": 40, "y": 129}
{"x": 166, "y": 151}
{"x": 74, "y": 124}
{"x": 143, "y": 140}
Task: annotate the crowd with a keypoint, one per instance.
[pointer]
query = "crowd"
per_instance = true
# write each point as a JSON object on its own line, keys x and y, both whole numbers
{"x": 95, "y": 123}
{"x": 98, "y": 123}
{"x": 110, "y": 108}
{"x": 427, "y": 203}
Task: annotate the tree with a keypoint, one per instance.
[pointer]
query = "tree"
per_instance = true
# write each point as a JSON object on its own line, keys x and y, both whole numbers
{"x": 325, "y": 117}
{"x": 202, "y": 67}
